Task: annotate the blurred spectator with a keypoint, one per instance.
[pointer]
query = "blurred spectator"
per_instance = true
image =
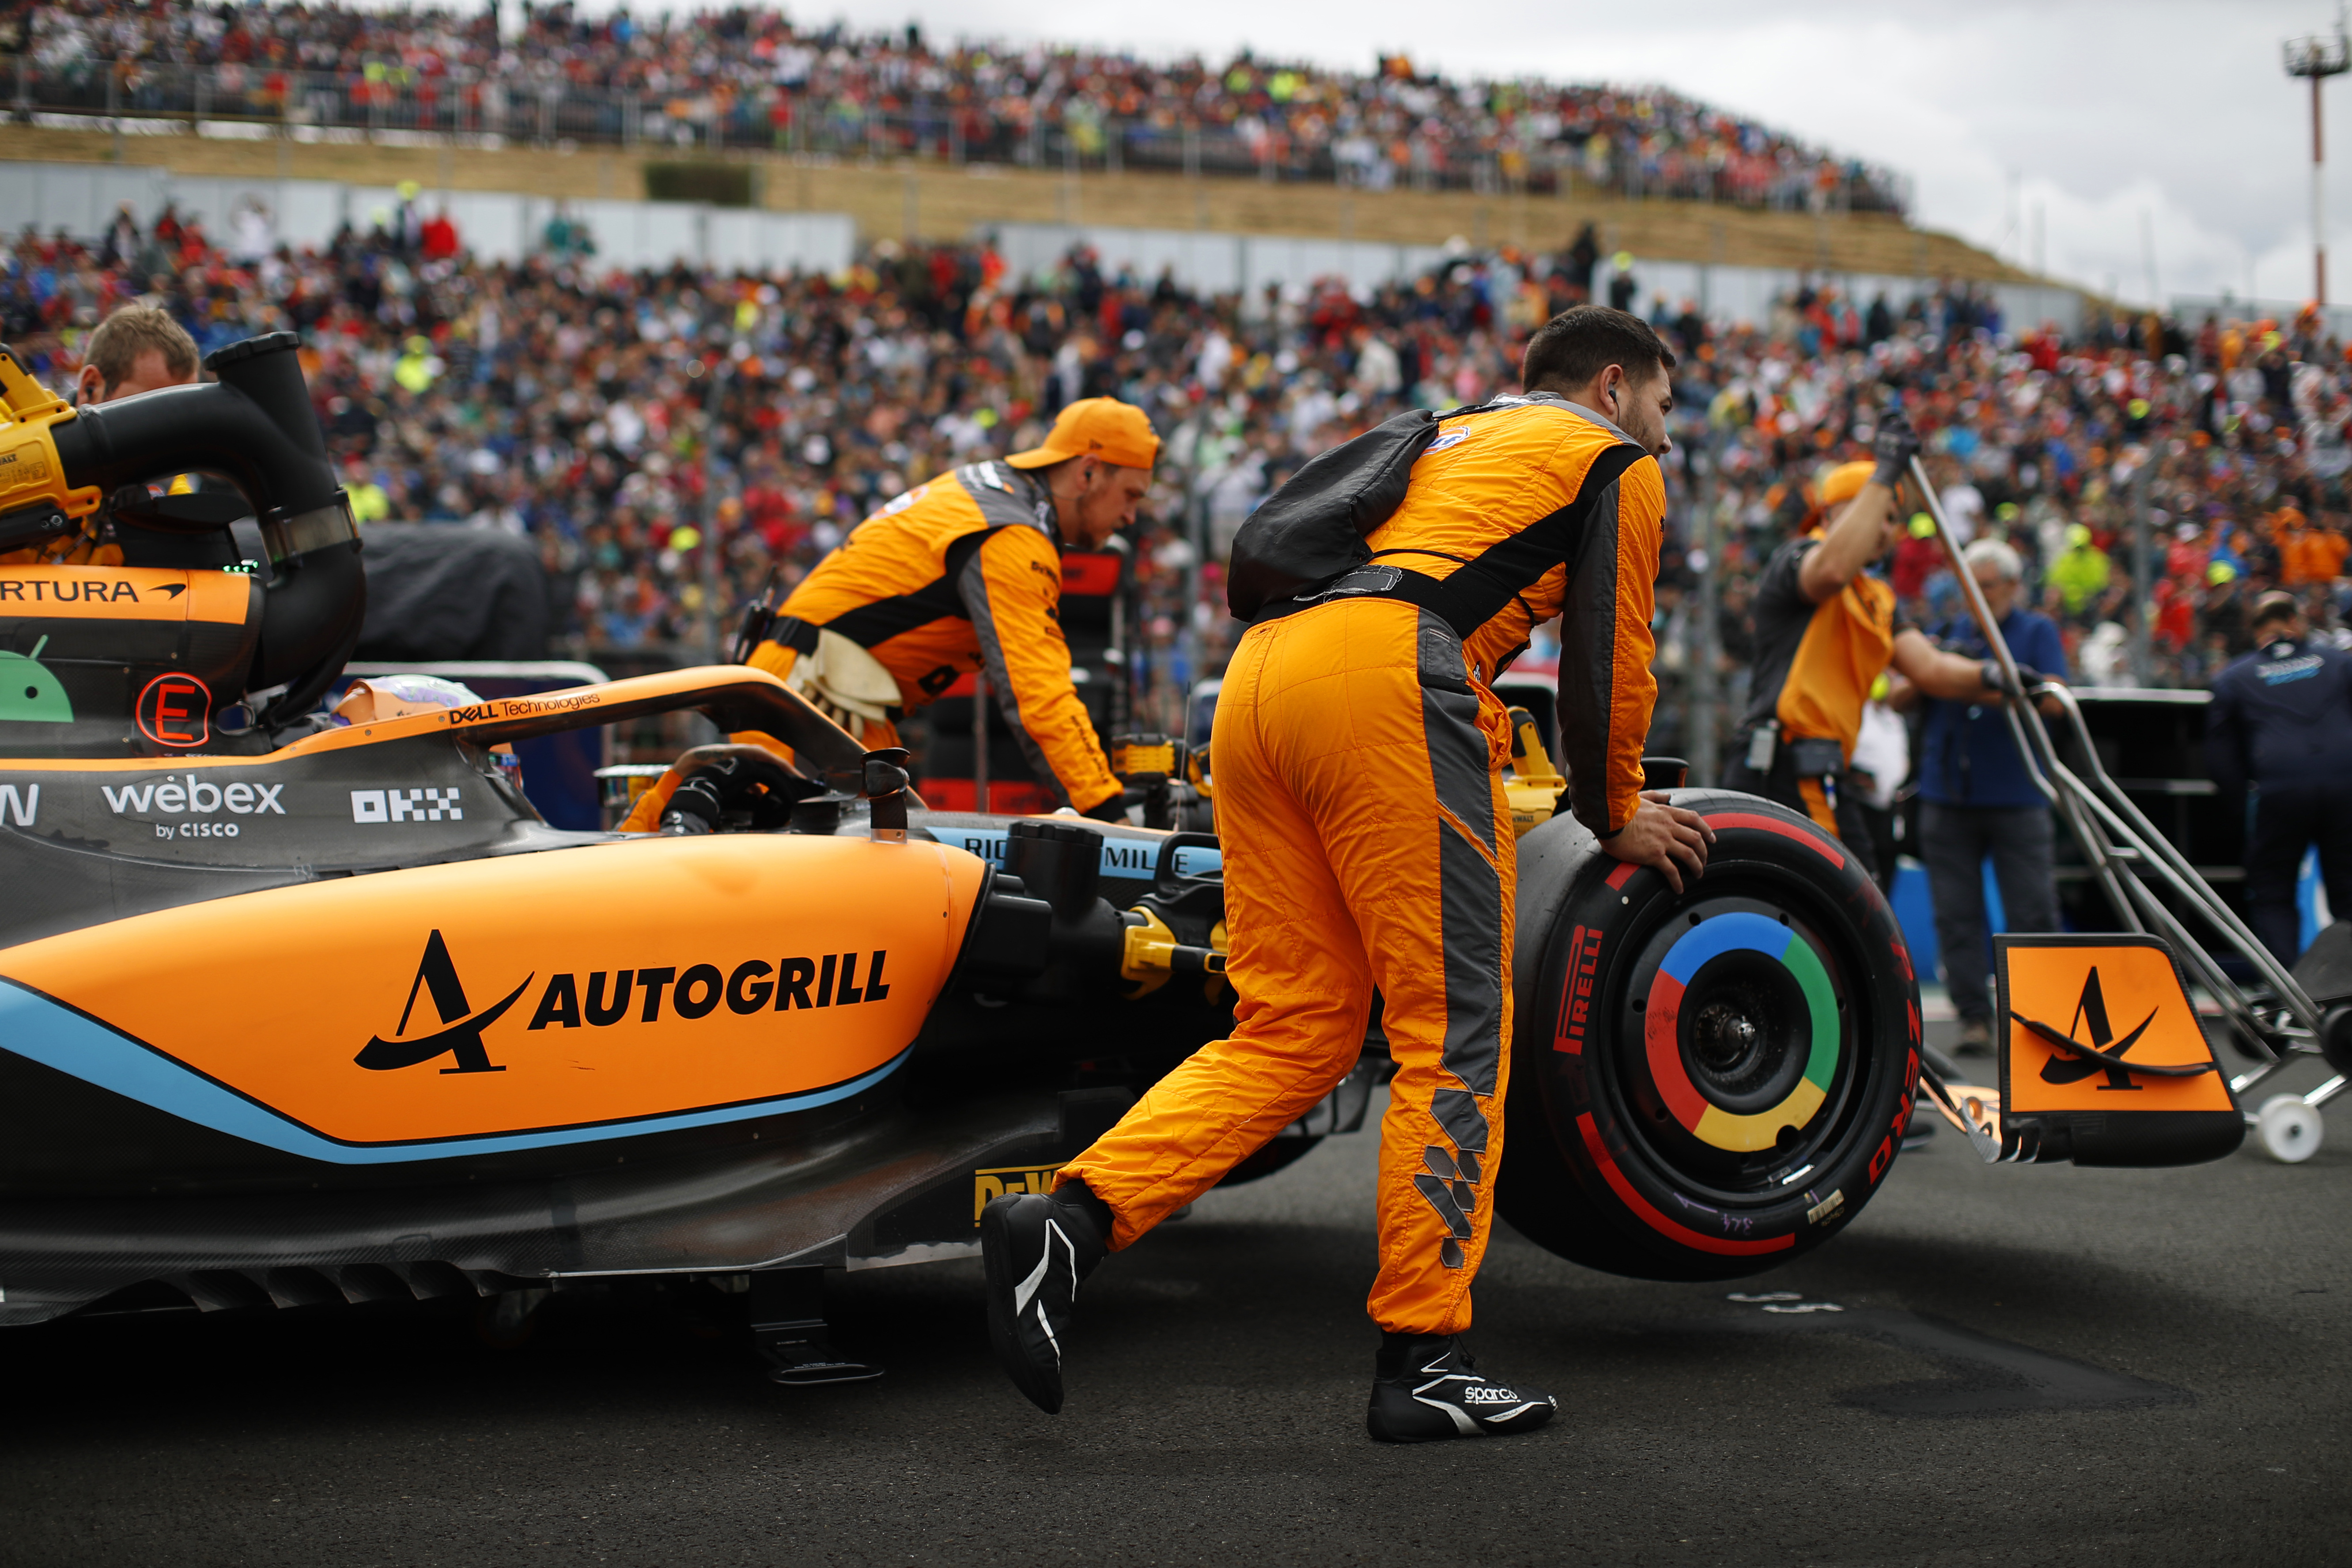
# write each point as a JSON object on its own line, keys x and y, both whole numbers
{"x": 2081, "y": 574}
{"x": 1978, "y": 802}
{"x": 437, "y": 240}
{"x": 575, "y": 402}
{"x": 749, "y": 76}
{"x": 567, "y": 238}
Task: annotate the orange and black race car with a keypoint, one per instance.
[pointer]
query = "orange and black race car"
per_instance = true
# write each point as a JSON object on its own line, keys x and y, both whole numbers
{"x": 294, "y": 1013}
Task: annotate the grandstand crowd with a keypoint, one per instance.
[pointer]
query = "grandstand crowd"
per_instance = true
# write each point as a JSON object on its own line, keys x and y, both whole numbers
{"x": 616, "y": 418}
{"x": 750, "y": 76}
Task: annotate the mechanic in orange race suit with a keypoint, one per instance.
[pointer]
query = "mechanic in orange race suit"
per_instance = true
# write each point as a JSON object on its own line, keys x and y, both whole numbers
{"x": 957, "y": 575}
{"x": 1825, "y": 631}
{"x": 1367, "y": 843}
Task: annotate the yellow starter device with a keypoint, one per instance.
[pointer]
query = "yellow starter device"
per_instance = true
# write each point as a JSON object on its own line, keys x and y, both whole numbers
{"x": 35, "y": 501}
{"x": 1533, "y": 786}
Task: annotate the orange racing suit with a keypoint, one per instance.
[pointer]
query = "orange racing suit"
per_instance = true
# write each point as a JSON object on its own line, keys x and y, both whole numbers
{"x": 1358, "y": 750}
{"x": 955, "y": 575}
{"x": 1815, "y": 666}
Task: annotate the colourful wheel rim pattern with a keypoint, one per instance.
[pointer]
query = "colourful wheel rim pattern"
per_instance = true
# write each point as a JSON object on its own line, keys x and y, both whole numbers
{"x": 1704, "y": 1120}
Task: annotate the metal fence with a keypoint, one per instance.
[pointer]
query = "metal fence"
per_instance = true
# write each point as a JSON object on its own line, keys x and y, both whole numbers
{"x": 82, "y": 199}
{"x": 395, "y": 103}
{"x": 1217, "y": 263}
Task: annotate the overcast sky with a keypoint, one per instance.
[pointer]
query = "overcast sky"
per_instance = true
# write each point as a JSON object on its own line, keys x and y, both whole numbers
{"x": 2101, "y": 112}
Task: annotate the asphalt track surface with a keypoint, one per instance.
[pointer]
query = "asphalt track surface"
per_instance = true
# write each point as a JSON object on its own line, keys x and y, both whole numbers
{"x": 2031, "y": 1366}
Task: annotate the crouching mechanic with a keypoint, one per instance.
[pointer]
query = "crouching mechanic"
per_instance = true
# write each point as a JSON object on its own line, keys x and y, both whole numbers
{"x": 1825, "y": 631}
{"x": 1368, "y": 844}
{"x": 958, "y": 575}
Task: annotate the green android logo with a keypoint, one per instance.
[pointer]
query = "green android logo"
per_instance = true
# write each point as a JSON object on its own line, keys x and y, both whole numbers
{"x": 29, "y": 694}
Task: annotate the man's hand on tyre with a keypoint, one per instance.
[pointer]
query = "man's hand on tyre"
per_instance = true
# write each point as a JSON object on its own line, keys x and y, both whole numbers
{"x": 1670, "y": 839}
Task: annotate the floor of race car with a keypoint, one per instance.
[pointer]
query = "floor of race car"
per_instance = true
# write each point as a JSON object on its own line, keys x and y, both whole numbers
{"x": 2026, "y": 1366}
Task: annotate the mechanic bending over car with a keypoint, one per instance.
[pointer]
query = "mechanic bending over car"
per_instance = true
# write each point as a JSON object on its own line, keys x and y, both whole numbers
{"x": 958, "y": 573}
{"x": 1367, "y": 843}
{"x": 1825, "y": 631}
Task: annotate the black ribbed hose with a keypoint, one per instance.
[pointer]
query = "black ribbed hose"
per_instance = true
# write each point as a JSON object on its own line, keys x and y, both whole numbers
{"x": 256, "y": 427}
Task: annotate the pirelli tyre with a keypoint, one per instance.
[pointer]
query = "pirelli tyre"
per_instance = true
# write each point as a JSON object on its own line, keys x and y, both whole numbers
{"x": 1709, "y": 1083}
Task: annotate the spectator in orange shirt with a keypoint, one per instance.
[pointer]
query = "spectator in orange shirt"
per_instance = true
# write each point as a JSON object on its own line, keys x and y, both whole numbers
{"x": 2319, "y": 557}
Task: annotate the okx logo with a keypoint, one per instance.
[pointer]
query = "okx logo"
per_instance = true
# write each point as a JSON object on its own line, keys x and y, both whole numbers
{"x": 460, "y": 1034}
{"x": 406, "y": 805}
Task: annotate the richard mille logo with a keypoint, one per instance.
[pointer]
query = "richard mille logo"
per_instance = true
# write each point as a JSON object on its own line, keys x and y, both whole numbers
{"x": 460, "y": 1034}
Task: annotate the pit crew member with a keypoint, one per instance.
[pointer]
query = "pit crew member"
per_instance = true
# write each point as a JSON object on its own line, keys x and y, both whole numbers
{"x": 1825, "y": 631}
{"x": 962, "y": 573}
{"x": 1367, "y": 843}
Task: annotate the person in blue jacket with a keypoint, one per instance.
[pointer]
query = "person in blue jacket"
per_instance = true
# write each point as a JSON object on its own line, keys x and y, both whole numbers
{"x": 2281, "y": 724}
{"x": 1978, "y": 800}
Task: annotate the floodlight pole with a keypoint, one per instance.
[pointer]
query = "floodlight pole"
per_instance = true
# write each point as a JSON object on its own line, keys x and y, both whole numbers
{"x": 2318, "y": 58}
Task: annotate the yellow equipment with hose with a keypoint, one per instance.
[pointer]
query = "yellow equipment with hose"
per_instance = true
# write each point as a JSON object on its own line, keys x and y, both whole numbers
{"x": 1533, "y": 787}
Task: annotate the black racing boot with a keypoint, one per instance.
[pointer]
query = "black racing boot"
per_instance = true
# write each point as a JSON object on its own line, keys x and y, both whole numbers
{"x": 1037, "y": 1247}
{"x": 1427, "y": 1387}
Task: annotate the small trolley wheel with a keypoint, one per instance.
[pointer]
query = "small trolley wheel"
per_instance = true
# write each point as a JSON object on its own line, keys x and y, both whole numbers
{"x": 2289, "y": 1130}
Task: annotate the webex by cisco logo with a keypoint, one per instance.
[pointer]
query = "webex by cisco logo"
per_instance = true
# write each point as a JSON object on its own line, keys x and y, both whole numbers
{"x": 187, "y": 794}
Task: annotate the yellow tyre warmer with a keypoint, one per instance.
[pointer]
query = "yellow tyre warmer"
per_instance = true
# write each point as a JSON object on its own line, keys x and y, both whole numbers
{"x": 1727, "y": 1073}
{"x": 511, "y": 1003}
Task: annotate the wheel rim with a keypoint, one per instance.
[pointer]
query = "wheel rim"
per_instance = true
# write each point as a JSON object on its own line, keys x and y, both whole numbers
{"x": 1736, "y": 1056}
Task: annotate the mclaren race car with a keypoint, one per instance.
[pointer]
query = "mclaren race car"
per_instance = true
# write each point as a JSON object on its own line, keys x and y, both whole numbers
{"x": 295, "y": 1013}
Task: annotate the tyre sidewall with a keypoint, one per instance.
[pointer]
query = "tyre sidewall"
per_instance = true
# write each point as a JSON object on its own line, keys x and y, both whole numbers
{"x": 1609, "y": 915}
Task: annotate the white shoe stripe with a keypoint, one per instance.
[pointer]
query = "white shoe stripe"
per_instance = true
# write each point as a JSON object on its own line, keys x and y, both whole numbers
{"x": 1028, "y": 1288}
{"x": 1464, "y": 1422}
{"x": 1046, "y": 1324}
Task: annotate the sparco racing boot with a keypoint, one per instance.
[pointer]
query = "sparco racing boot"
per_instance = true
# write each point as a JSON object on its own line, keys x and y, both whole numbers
{"x": 1426, "y": 1387}
{"x": 1037, "y": 1247}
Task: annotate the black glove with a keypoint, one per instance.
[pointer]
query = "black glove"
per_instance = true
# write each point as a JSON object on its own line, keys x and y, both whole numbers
{"x": 1990, "y": 674}
{"x": 1895, "y": 445}
{"x": 720, "y": 779}
{"x": 1113, "y": 810}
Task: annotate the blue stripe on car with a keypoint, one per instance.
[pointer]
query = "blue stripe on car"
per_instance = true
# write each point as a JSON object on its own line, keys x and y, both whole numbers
{"x": 46, "y": 1031}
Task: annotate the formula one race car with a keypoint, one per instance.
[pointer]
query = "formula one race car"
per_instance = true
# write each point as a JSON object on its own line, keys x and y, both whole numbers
{"x": 292, "y": 1013}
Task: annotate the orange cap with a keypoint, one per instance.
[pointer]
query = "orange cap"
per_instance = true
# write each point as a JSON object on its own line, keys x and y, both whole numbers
{"x": 1843, "y": 483}
{"x": 1095, "y": 427}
